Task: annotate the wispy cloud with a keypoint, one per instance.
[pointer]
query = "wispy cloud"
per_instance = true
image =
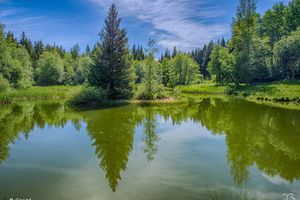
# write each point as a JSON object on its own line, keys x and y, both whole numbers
{"x": 6, "y": 13}
{"x": 183, "y": 23}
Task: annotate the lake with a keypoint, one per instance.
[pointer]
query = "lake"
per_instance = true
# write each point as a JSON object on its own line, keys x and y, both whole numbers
{"x": 209, "y": 148}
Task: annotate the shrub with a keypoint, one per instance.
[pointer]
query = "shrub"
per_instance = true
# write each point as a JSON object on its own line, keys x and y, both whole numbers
{"x": 90, "y": 96}
{"x": 176, "y": 91}
{"x": 4, "y": 84}
{"x": 158, "y": 92}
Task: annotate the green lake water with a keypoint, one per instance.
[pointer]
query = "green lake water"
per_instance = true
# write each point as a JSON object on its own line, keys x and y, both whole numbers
{"x": 192, "y": 150}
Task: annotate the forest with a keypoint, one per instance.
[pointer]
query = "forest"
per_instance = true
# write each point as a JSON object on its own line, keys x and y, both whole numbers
{"x": 262, "y": 49}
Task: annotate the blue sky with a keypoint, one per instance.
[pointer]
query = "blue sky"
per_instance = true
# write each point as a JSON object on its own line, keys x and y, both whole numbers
{"x": 186, "y": 24}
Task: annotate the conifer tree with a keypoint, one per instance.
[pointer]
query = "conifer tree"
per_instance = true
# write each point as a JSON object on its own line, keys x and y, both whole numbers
{"x": 87, "y": 50}
{"x": 75, "y": 51}
{"x": 174, "y": 52}
{"x": 206, "y": 58}
{"x": 112, "y": 70}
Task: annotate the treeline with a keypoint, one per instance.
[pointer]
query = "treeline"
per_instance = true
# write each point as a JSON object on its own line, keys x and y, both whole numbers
{"x": 153, "y": 75}
{"x": 262, "y": 49}
{"x": 24, "y": 63}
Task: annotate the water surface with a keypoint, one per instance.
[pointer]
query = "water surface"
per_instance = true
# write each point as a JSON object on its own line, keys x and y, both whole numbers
{"x": 185, "y": 151}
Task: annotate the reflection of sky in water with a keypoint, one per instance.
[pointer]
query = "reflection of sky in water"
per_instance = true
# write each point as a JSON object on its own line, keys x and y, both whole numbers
{"x": 61, "y": 162}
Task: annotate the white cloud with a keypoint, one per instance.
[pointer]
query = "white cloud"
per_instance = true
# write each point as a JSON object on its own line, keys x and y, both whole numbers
{"x": 181, "y": 23}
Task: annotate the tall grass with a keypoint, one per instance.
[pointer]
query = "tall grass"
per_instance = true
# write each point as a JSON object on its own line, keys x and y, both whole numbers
{"x": 208, "y": 88}
{"x": 36, "y": 92}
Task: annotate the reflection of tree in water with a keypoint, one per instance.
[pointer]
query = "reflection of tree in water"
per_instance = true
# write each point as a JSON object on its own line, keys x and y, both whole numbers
{"x": 255, "y": 134}
{"x": 112, "y": 131}
{"x": 17, "y": 119}
{"x": 151, "y": 138}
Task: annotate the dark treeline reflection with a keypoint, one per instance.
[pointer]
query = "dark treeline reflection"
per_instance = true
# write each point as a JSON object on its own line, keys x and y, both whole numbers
{"x": 255, "y": 134}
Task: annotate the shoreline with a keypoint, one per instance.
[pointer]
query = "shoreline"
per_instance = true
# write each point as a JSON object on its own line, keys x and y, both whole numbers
{"x": 275, "y": 98}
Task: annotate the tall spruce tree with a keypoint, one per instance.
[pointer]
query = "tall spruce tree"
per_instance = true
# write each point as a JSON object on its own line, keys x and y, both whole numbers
{"x": 75, "y": 51}
{"x": 174, "y": 52}
{"x": 87, "y": 50}
{"x": 206, "y": 58}
{"x": 112, "y": 70}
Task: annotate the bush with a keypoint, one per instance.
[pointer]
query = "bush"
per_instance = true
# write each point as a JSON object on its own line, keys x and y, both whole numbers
{"x": 90, "y": 96}
{"x": 158, "y": 92}
{"x": 4, "y": 84}
{"x": 50, "y": 69}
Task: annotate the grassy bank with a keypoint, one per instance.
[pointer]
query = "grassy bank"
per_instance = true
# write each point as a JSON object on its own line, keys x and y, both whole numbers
{"x": 285, "y": 95}
{"x": 53, "y": 92}
{"x": 280, "y": 94}
{"x": 209, "y": 88}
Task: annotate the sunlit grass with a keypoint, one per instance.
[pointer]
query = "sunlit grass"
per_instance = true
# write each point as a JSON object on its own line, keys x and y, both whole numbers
{"x": 208, "y": 88}
{"x": 37, "y": 92}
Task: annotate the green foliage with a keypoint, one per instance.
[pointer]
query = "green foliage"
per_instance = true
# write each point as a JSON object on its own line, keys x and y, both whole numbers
{"x": 205, "y": 59}
{"x": 112, "y": 69}
{"x": 260, "y": 59}
{"x": 166, "y": 67}
{"x": 244, "y": 31}
{"x": 90, "y": 96}
{"x": 183, "y": 70}
{"x": 273, "y": 23}
{"x": 138, "y": 67}
{"x": 151, "y": 87}
{"x": 293, "y": 15}
{"x": 4, "y": 84}
{"x": 262, "y": 49}
{"x": 27, "y": 44}
{"x": 82, "y": 70}
{"x": 138, "y": 53}
{"x": 221, "y": 64}
{"x": 15, "y": 64}
{"x": 21, "y": 71}
{"x": 50, "y": 69}
{"x": 69, "y": 73}
{"x": 157, "y": 91}
{"x": 75, "y": 51}
{"x": 287, "y": 55}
